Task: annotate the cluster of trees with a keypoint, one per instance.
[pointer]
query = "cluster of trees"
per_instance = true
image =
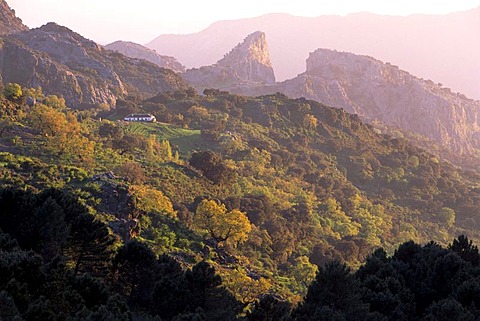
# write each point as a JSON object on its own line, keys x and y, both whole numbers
{"x": 57, "y": 261}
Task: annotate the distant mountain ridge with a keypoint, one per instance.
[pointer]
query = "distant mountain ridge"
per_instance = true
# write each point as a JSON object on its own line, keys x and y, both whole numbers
{"x": 445, "y": 48}
{"x": 134, "y": 50}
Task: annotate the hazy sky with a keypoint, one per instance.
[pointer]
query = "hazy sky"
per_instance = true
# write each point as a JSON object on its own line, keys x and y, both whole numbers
{"x": 143, "y": 20}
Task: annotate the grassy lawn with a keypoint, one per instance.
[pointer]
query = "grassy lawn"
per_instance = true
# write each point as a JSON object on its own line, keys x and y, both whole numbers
{"x": 186, "y": 140}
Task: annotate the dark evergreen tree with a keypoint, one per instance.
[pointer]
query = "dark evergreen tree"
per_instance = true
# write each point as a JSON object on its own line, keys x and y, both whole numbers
{"x": 465, "y": 248}
{"x": 89, "y": 247}
{"x": 134, "y": 273}
{"x": 270, "y": 308}
{"x": 334, "y": 292}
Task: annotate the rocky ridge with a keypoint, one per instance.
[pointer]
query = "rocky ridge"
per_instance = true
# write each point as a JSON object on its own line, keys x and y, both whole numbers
{"x": 134, "y": 50}
{"x": 63, "y": 62}
{"x": 9, "y": 23}
{"x": 246, "y": 65}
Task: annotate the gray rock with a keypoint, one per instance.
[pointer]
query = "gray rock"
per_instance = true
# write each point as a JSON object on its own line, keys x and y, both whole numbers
{"x": 134, "y": 50}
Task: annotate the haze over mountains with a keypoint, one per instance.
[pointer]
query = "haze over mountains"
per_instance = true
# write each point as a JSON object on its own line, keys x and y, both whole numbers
{"x": 441, "y": 48}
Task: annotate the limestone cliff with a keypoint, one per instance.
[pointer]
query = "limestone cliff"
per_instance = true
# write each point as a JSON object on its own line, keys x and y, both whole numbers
{"x": 134, "y": 50}
{"x": 246, "y": 65}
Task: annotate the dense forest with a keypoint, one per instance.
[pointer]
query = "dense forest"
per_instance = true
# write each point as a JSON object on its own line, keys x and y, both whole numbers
{"x": 228, "y": 207}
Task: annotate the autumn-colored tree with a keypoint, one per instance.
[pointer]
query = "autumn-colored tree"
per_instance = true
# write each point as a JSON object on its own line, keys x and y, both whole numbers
{"x": 222, "y": 226}
{"x": 310, "y": 121}
{"x": 132, "y": 172}
{"x": 64, "y": 134}
{"x": 158, "y": 151}
{"x": 150, "y": 200}
{"x": 244, "y": 288}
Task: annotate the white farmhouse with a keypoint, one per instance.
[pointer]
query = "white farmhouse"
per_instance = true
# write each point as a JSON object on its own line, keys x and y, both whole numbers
{"x": 140, "y": 118}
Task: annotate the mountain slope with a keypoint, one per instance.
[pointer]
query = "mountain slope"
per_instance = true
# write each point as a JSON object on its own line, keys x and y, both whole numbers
{"x": 9, "y": 23}
{"x": 248, "y": 64}
{"x": 446, "y": 48}
{"x": 134, "y": 50}
{"x": 64, "y": 63}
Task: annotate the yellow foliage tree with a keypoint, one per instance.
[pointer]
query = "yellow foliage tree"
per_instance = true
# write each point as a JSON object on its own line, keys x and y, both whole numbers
{"x": 221, "y": 225}
{"x": 150, "y": 200}
{"x": 64, "y": 134}
{"x": 244, "y": 288}
{"x": 340, "y": 223}
{"x": 310, "y": 121}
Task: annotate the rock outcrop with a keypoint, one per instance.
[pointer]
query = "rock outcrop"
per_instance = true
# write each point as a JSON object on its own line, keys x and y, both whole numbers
{"x": 379, "y": 91}
{"x": 63, "y": 62}
{"x": 9, "y": 23}
{"x": 135, "y": 50}
{"x": 246, "y": 65}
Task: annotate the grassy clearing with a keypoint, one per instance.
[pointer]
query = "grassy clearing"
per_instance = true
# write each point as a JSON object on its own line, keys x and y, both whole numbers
{"x": 186, "y": 140}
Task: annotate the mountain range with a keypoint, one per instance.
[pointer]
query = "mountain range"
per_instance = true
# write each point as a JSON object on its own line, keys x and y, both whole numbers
{"x": 376, "y": 91}
{"x": 63, "y": 62}
{"x": 442, "y": 48}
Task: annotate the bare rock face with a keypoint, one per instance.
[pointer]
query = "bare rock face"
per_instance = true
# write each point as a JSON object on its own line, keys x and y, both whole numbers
{"x": 9, "y": 23}
{"x": 378, "y": 91}
{"x": 64, "y": 63}
{"x": 251, "y": 60}
{"x": 246, "y": 65}
{"x": 134, "y": 50}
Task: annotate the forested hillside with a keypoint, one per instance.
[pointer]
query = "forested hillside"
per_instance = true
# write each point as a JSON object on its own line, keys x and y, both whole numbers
{"x": 227, "y": 198}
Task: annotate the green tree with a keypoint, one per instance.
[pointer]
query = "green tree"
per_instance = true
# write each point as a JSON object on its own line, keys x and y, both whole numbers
{"x": 447, "y": 216}
{"x": 303, "y": 271}
{"x": 12, "y": 91}
{"x": 90, "y": 245}
{"x": 212, "y": 166}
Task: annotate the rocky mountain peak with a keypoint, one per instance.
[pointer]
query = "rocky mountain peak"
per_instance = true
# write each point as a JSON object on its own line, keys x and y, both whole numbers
{"x": 251, "y": 59}
{"x": 57, "y": 33}
{"x": 245, "y": 66}
{"x": 9, "y": 23}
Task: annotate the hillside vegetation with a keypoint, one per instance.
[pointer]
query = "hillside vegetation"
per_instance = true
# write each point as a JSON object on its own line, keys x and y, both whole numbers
{"x": 239, "y": 198}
